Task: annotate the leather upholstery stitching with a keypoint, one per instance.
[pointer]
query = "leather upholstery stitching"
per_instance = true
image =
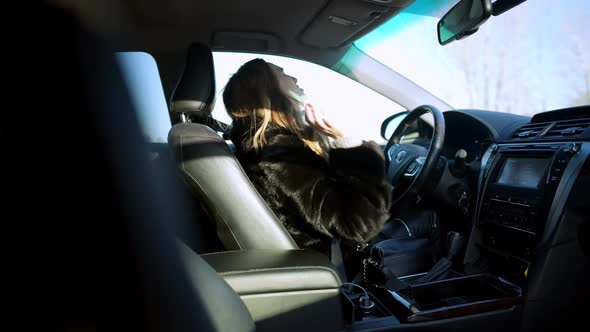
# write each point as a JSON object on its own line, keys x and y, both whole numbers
{"x": 286, "y": 268}
{"x": 221, "y": 252}
{"x": 204, "y": 192}
{"x": 230, "y": 251}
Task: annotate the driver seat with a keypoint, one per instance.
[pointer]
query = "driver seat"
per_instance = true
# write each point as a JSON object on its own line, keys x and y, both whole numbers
{"x": 242, "y": 219}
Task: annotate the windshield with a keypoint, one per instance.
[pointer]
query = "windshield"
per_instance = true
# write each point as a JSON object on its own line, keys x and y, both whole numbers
{"x": 533, "y": 58}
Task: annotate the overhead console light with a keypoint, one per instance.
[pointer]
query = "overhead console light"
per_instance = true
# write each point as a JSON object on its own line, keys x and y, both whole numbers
{"x": 384, "y": 2}
{"x": 394, "y": 3}
{"x": 341, "y": 21}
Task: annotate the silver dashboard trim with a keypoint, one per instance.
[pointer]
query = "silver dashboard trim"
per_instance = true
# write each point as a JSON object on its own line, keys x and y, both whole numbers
{"x": 514, "y": 203}
{"x": 564, "y": 188}
{"x": 472, "y": 253}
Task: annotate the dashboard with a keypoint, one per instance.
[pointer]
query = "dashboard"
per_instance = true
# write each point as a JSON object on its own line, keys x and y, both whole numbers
{"x": 524, "y": 169}
{"x": 526, "y": 217}
{"x": 475, "y": 130}
{"x": 471, "y": 130}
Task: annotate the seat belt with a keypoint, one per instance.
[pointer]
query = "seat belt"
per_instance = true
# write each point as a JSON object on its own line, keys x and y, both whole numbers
{"x": 337, "y": 259}
{"x": 218, "y": 126}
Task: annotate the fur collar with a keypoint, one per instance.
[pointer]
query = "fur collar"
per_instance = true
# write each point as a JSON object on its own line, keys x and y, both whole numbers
{"x": 242, "y": 136}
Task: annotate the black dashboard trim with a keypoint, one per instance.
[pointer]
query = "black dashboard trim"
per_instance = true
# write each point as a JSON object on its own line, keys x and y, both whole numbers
{"x": 568, "y": 113}
{"x": 500, "y": 125}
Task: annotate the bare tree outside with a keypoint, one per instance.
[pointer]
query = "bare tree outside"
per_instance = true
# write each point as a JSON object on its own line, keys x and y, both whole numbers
{"x": 500, "y": 65}
{"x": 580, "y": 48}
{"x": 530, "y": 59}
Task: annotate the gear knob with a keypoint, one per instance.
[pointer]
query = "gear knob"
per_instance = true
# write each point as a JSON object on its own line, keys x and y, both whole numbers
{"x": 455, "y": 243}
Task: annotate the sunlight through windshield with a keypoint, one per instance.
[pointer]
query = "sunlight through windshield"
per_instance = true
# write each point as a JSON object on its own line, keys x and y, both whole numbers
{"x": 532, "y": 58}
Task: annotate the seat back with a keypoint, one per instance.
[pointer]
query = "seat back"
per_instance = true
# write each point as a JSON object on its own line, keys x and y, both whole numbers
{"x": 242, "y": 218}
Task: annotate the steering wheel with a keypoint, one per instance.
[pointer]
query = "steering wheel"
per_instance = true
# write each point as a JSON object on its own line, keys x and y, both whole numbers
{"x": 409, "y": 165}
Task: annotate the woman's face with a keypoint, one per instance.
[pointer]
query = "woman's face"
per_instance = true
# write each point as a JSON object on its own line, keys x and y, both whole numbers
{"x": 286, "y": 82}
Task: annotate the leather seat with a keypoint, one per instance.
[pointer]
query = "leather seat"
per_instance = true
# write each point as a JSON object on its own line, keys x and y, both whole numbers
{"x": 242, "y": 218}
{"x": 106, "y": 258}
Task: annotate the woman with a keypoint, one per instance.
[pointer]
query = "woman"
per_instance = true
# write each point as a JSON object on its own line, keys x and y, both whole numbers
{"x": 296, "y": 159}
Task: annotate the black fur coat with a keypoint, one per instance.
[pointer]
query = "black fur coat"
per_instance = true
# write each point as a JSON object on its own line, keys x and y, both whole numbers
{"x": 346, "y": 196}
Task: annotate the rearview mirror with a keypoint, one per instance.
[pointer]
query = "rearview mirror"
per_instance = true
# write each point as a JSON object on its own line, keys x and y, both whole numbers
{"x": 463, "y": 20}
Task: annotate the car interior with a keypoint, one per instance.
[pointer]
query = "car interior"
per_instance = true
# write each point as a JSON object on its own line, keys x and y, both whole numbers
{"x": 489, "y": 225}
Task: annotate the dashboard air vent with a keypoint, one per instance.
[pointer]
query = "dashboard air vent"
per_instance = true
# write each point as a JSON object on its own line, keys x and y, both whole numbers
{"x": 530, "y": 130}
{"x": 568, "y": 128}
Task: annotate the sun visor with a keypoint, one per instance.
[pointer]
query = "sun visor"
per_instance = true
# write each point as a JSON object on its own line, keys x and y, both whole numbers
{"x": 341, "y": 20}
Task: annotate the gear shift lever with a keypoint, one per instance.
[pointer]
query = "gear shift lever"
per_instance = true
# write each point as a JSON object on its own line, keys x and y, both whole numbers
{"x": 441, "y": 269}
{"x": 455, "y": 243}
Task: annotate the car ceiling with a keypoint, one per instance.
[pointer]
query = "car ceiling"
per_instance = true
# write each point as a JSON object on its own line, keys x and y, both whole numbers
{"x": 165, "y": 28}
{"x": 169, "y": 26}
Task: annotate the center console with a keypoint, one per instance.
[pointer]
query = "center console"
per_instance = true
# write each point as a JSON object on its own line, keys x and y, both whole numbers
{"x": 450, "y": 298}
{"x": 522, "y": 192}
{"x": 517, "y": 188}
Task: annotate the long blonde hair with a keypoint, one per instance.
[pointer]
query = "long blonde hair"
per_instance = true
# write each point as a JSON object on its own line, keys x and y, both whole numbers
{"x": 254, "y": 92}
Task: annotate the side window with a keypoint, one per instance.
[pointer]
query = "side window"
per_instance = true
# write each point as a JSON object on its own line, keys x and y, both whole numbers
{"x": 355, "y": 109}
{"x": 141, "y": 75}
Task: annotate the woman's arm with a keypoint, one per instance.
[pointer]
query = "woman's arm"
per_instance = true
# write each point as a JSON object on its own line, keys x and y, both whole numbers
{"x": 349, "y": 197}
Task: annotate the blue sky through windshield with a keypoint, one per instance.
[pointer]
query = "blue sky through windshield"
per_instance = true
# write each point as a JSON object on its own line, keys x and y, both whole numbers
{"x": 532, "y": 58}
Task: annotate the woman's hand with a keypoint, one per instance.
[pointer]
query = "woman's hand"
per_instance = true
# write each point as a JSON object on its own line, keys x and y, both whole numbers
{"x": 321, "y": 124}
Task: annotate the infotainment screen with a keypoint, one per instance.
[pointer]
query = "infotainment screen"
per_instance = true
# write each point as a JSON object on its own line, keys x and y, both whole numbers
{"x": 523, "y": 172}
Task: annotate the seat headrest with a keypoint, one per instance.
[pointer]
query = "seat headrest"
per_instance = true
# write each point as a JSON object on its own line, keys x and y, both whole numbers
{"x": 195, "y": 93}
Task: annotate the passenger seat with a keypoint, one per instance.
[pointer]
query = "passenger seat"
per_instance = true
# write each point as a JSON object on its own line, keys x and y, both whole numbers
{"x": 240, "y": 216}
